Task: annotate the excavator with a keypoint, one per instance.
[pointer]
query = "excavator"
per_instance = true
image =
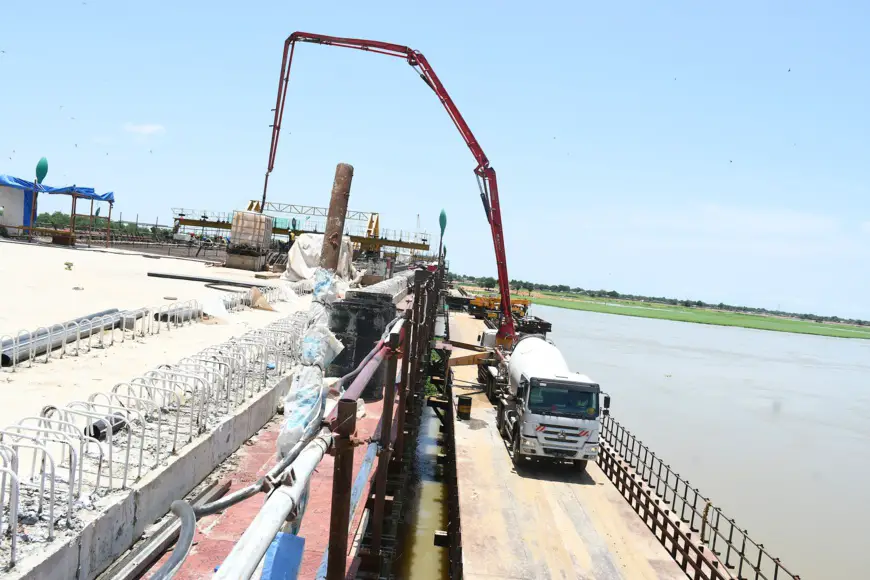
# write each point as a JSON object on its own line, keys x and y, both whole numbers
{"x": 484, "y": 172}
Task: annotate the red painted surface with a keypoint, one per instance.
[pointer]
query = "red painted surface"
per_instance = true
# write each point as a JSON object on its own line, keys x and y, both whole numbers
{"x": 216, "y": 535}
{"x": 315, "y": 524}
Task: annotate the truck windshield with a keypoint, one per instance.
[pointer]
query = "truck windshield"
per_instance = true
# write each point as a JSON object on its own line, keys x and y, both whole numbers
{"x": 561, "y": 400}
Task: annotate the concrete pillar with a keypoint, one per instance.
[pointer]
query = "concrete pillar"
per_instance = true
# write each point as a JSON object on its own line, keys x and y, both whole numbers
{"x": 335, "y": 218}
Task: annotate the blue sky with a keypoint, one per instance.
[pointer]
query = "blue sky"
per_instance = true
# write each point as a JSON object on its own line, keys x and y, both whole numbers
{"x": 658, "y": 148}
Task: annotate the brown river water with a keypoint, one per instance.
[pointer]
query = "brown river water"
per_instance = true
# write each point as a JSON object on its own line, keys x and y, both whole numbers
{"x": 773, "y": 427}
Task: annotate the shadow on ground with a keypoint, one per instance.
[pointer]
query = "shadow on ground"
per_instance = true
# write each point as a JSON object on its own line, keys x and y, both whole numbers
{"x": 563, "y": 472}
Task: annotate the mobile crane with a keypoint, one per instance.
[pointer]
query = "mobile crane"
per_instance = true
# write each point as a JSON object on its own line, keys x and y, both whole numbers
{"x": 485, "y": 173}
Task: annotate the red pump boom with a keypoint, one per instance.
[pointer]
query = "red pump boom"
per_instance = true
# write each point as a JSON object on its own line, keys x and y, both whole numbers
{"x": 485, "y": 173}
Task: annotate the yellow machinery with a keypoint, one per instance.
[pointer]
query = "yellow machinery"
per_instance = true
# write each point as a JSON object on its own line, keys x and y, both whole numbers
{"x": 520, "y": 306}
{"x": 489, "y": 307}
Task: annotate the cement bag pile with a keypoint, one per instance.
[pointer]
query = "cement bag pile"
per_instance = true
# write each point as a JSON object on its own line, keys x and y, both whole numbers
{"x": 303, "y": 258}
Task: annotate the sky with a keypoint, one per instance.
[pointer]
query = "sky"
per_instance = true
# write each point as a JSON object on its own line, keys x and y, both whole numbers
{"x": 713, "y": 151}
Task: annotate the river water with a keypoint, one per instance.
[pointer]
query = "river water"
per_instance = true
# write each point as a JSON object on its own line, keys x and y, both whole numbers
{"x": 773, "y": 427}
{"x": 426, "y": 512}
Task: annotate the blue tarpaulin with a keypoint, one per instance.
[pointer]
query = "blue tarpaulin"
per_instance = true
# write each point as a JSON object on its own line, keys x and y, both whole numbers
{"x": 27, "y": 186}
{"x": 28, "y": 209}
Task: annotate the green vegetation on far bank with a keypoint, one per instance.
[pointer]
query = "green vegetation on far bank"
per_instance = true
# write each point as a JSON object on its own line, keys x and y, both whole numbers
{"x": 563, "y": 291}
{"x": 642, "y": 309}
{"x": 701, "y": 316}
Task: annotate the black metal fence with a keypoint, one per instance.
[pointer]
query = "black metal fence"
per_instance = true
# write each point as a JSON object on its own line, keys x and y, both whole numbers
{"x": 735, "y": 550}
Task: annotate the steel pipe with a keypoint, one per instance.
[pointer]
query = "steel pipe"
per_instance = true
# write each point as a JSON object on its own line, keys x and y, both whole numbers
{"x": 185, "y": 513}
{"x": 251, "y": 547}
{"x": 43, "y": 340}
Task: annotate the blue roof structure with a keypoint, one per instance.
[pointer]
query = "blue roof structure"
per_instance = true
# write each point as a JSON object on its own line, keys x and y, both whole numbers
{"x": 83, "y": 192}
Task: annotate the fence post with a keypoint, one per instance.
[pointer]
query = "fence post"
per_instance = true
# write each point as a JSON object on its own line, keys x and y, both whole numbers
{"x": 403, "y": 391}
{"x": 342, "y": 480}
{"x": 386, "y": 439}
{"x": 414, "y": 351}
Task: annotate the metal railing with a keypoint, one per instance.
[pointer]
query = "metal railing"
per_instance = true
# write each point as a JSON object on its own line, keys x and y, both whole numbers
{"x": 731, "y": 545}
{"x": 408, "y": 337}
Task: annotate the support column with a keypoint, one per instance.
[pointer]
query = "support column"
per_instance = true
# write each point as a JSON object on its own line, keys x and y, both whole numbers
{"x": 72, "y": 221}
{"x": 91, "y": 224}
{"x": 385, "y": 443}
{"x": 335, "y": 218}
{"x": 342, "y": 481}
{"x": 403, "y": 390}
{"x": 109, "y": 225}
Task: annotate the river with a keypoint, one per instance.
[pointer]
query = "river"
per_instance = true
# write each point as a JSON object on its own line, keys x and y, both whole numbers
{"x": 773, "y": 427}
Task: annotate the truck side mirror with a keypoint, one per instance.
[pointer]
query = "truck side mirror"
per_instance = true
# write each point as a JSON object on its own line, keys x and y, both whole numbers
{"x": 606, "y": 401}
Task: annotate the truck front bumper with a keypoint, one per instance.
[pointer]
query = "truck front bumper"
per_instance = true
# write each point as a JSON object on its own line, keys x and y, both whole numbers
{"x": 532, "y": 447}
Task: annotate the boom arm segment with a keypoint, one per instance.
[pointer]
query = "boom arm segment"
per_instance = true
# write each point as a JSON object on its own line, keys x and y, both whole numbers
{"x": 485, "y": 173}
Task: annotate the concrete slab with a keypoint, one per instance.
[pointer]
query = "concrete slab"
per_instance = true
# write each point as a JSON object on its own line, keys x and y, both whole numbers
{"x": 35, "y": 293}
{"x": 38, "y": 290}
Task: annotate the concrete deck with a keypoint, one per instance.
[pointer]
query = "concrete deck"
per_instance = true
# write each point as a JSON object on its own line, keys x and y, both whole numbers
{"x": 540, "y": 522}
{"x": 37, "y": 291}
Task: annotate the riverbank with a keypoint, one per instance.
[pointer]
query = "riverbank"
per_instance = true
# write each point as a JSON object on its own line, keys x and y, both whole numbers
{"x": 696, "y": 315}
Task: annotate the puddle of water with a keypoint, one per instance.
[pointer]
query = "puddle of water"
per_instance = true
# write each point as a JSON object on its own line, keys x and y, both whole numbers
{"x": 419, "y": 558}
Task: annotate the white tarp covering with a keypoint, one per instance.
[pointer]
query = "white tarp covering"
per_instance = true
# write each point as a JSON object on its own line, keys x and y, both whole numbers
{"x": 304, "y": 402}
{"x": 12, "y": 210}
{"x": 303, "y": 259}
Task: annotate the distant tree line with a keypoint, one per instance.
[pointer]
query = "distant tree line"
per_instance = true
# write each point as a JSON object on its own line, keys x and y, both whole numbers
{"x": 520, "y": 286}
{"x": 60, "y": 221}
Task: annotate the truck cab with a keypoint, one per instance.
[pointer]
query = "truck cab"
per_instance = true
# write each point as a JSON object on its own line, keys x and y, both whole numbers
{"x": 543, "y": 409}
{"x": 557, "y": 419}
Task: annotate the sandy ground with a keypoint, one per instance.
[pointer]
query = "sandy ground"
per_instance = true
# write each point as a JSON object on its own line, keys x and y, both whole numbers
{"x": 541, "y": 522}
{"x": 35, "y": 290}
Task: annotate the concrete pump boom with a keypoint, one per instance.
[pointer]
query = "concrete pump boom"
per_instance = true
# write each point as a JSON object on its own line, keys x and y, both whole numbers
{"x": 485, "y": 174}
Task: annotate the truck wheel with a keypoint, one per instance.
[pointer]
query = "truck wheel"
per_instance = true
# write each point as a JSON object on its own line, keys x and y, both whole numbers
{"x": 499, "y": 421}
{"x": 515, "y": 447}
{"x": 580, "y": 464}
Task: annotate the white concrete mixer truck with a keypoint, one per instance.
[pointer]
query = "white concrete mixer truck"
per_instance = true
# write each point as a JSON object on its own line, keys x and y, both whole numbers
{"x": 543, "y": 409}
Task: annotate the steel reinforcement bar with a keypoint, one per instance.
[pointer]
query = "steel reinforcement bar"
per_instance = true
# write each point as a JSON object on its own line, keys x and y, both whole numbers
{"x": 64, "y": 460}
{"x": 706, "y": 543}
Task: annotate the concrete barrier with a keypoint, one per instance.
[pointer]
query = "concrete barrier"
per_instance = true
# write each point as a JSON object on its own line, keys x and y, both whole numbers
{"x": 122, "y": 517}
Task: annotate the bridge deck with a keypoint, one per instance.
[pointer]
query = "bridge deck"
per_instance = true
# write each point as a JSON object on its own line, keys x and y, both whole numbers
{"x": 540, "y": 521}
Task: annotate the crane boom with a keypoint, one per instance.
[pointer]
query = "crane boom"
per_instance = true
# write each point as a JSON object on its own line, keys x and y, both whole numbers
{"x": 484, "y": 172}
